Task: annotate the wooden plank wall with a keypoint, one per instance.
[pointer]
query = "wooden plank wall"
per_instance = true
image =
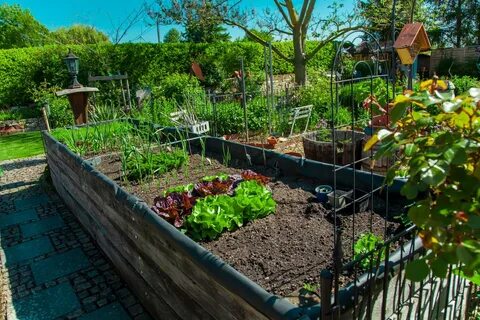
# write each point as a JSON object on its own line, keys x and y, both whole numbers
{"x": 170, "y": 284}
{"x": 458, "y": 54}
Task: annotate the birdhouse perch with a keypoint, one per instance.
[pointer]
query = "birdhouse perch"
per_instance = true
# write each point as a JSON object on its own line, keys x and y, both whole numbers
{"x": 412, "y": 40}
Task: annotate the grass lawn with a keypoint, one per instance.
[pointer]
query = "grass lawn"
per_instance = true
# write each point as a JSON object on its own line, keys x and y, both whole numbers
{"x": 21, "y": 145}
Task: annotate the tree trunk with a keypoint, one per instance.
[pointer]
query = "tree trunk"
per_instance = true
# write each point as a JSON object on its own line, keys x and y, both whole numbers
{"x": 458, "y": 25}
{"x": 299, "y": 62}
{"x": 300, "y": 71}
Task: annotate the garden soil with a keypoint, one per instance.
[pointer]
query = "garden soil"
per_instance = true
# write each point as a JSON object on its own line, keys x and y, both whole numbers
{"x": 282, "y": 251}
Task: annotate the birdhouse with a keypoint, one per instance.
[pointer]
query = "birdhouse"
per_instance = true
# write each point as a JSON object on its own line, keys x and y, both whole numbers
{"x": 412, "y": 40}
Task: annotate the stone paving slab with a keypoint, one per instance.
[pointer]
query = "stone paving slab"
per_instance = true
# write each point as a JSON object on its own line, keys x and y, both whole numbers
{"x": 11, "y": 219}
{"x": 111, "y": 311}
{"x": 42, "y": 226}
{"x": 60, "y": 299}
{"x": 59, "y": 265}
{"x": 28, "y": 250}
{"x": 31, "y": 202}
{"x": 62, "y": 274}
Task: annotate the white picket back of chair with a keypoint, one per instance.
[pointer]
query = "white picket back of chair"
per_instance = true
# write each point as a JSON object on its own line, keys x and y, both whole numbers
{"x": 300, "y": 113}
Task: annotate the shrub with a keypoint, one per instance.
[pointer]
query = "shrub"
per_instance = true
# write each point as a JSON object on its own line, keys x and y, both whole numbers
{"x": 176, "y": 86}
{"x": 441, "y": 155}
{"x": 19, "y": 113}
{"x": 463, "y": 83}
{"x": 60, "y": 114}
{"x": 146, "y": 64}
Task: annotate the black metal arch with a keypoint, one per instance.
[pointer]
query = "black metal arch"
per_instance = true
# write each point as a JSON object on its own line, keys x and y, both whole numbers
{"x": 339, "y": 80}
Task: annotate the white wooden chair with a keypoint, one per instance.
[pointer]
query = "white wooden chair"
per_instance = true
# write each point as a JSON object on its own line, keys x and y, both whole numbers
{"x": 300, "y": 113}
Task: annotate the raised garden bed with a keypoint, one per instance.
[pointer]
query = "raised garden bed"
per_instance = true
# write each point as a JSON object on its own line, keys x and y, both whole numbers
{"x": 277, "y": 254}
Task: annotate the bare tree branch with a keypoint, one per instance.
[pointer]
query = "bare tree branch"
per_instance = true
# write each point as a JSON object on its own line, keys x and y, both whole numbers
{"x": 308, "y": 14}
{"x": 332, "y": 37}
{"x": 291, "y": 11}
{"x": 258, "y": 39}
{"x": 282, "y": 12}
{"x": 124, "y": 27}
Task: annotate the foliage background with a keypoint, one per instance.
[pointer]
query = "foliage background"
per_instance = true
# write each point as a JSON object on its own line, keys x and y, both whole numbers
{"x": 146, "y": 64}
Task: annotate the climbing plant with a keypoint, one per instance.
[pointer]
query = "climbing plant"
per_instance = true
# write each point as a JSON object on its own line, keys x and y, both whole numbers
{"x": 437, "y": 136}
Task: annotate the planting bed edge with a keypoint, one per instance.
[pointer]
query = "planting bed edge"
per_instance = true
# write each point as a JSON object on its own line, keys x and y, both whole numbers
{"x": 257, "y": 302}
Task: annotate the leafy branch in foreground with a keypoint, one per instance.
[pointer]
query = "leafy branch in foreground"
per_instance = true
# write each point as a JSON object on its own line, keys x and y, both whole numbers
{"x": 438, "y": 137}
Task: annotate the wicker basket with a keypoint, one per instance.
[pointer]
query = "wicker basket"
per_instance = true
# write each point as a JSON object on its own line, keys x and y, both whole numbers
{"x": 322, "y": 151}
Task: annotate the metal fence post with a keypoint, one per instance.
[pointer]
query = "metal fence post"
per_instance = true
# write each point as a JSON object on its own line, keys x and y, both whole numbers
{"x": 326, "y": 280}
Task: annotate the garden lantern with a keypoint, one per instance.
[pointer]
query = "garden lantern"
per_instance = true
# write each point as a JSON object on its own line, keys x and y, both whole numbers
{"x": 412, "y": 40}
{"x": 72, "y": 62}
{"x": 76, "y": 93}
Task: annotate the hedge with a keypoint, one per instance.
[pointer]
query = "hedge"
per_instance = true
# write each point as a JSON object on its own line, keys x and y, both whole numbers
{"x": 146, "y": 64}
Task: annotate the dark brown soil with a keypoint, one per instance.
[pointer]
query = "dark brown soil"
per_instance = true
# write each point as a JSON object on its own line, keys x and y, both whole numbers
{"x": 282, "y": 251}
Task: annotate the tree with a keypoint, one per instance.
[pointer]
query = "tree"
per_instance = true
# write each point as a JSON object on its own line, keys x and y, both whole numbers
{"x": 459, "y": 22}
{"x": 18, "y": 28}
{"x": 200, "y": 21}
{"x": 78, "y": 34}
{"x": 264, "y": 35}
{"x": 172, "y": 36}
{"x": 287, "y": 20}
{"x": 377, "y": 15}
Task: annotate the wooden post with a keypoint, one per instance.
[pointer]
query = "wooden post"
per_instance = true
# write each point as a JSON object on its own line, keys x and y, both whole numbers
{"x": 326, "y": 279}
{"x": 129, "y": 97}
{"x": 123, "y": 95}
{"x": 79, "y": 104}
{"x": 45, "y": 119}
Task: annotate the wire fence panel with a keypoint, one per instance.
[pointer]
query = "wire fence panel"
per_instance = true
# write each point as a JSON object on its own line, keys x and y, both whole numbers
{"x": 373, "y": 239}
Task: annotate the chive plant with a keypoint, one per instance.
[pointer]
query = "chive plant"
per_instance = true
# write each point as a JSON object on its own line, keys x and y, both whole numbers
{"x": 226, "y": 155}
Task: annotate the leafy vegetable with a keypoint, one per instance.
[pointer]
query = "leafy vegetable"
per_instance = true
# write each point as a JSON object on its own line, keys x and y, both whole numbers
{"x": 214, "y": 187}
{"x": 251, "y": 175}
{"x": 216, "y": 204}
{"x": 212, "y": 215}
{"x": 140, "y": 165}
{"x": 186, "y": 188}
{"x": 174, "y": 207}
{"x": 254, "y": 199}
{"x": 221, "y": 176}
{"x": 367, "y": 243}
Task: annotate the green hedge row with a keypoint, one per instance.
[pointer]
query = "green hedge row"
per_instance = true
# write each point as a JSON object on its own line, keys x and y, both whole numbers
{"x": 21, "y": 70}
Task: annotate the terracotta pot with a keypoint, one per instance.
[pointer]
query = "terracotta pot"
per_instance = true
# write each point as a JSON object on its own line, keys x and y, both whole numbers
{"x": 272, "y": 140}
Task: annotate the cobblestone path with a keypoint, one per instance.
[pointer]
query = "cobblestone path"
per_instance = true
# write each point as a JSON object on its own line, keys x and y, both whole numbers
{"x": 51, "y": 267}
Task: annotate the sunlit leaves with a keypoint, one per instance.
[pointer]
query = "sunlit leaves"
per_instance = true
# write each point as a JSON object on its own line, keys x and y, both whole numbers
{"x": 398, "y": 111}
{"x": 417, "y": 270}
{"x": 371, "y": 142}
{"x": 451, "y": 106}
{"x": 437, "y": 139}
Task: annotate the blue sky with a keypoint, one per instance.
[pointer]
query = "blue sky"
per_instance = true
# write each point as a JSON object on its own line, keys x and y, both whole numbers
{"x": 106, "y": 15}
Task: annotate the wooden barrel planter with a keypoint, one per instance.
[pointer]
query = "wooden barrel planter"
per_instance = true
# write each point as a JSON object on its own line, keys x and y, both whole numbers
{"x": 380, "y": 165}
{"x": 347, "y": 151}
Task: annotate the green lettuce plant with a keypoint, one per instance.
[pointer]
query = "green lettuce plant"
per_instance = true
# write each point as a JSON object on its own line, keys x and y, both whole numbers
{"x": 366, "y": 244}
{"x": 214, "y": 214}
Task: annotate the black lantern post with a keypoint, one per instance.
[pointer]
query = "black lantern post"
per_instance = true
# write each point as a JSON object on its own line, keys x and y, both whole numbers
{"x": 72, "y": 62}
{"x": 76, "y": 93}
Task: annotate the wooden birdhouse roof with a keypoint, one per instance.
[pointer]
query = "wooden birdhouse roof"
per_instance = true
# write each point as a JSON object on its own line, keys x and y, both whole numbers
{"x": 413, "y": 33}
